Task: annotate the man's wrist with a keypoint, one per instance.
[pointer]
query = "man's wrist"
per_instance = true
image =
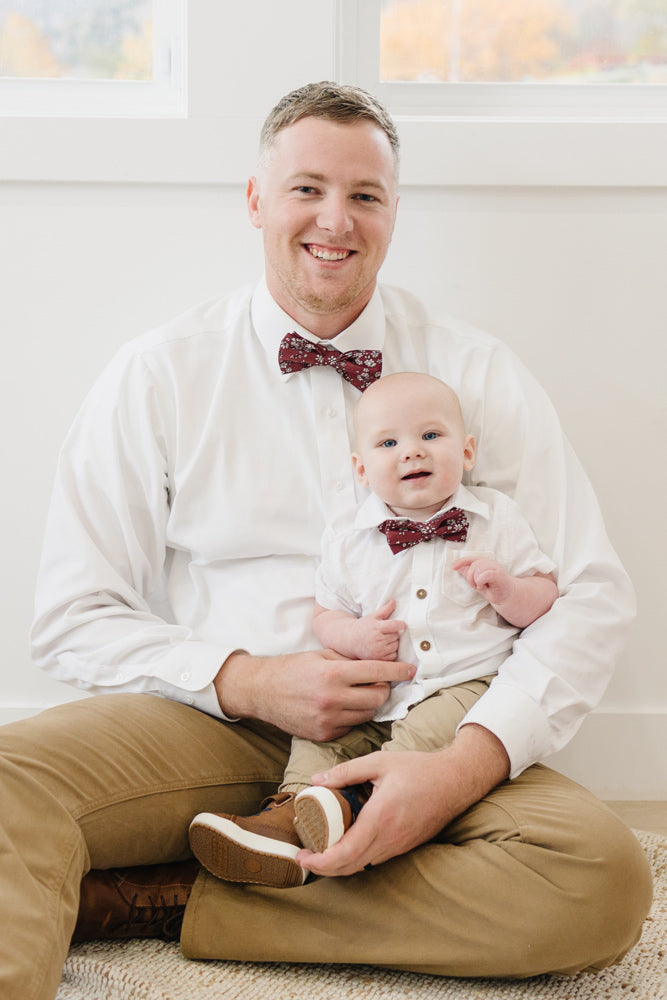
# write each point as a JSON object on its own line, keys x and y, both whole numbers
{"x": 478, "y": 761}
{"x": 234, "y": 685}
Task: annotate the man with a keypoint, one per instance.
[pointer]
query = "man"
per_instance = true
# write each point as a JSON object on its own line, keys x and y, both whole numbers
{"x": 177, "y": 564}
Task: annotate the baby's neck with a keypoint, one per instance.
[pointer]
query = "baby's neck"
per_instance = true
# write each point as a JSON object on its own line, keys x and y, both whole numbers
{"x": 420, "y": 513}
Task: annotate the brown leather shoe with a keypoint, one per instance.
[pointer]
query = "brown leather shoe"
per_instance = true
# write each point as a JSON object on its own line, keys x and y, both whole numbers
{"x": 259, "y": 849}
{"x": 142, "y": 902}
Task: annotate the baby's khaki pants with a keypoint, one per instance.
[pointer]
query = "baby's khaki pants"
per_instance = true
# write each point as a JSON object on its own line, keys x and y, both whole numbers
{"x": 429, "y": 725}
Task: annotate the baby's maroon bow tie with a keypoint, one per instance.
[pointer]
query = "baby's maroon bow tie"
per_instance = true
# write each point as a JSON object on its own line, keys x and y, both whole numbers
{"x": 360, "y": 368}
{"x": 403, "y": 534}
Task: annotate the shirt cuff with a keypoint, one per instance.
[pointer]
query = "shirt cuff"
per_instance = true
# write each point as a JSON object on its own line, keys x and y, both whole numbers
{"x": 518, "y": 722}
{"x": 187, "y": 673}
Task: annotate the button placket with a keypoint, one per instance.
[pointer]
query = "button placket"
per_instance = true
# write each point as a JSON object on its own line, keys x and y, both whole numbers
{"x": 423, "y": 559}
{"x": 336, "y": 472}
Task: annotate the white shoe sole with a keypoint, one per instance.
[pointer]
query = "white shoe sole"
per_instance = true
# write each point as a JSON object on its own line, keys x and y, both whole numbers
{"x": 319, "y": 819}
{"x": 237, "y": 855}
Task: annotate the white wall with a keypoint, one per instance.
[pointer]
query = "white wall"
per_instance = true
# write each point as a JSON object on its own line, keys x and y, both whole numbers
{"x": 572, "y": 278}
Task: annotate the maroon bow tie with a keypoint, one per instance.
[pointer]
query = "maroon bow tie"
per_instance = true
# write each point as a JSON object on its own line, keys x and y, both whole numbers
{"x": 360, "y": 368}
{"x": 403, "y": 534}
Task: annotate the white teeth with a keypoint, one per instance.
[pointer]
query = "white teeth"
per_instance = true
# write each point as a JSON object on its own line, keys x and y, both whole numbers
{"x": 328, "y": 254}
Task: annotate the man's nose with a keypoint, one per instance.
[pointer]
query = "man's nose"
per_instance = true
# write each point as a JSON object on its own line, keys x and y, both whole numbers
{"x": 334, "y": 215}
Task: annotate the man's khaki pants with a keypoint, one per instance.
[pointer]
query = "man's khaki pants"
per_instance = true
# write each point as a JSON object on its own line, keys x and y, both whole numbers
{"x": 537, "y": 877}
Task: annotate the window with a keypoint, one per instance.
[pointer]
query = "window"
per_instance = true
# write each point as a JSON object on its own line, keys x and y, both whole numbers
{"x": 92, "y": 57}
{"x": 232, "y": 69}
{"x": 450, "y": 60}
{"x": 216, "y": 75}
{"x": 466, "y": 130}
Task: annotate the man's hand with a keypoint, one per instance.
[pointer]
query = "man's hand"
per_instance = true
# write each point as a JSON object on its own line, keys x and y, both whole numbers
{"x": 318, "y": 695}
{"x": 415, "y": 795}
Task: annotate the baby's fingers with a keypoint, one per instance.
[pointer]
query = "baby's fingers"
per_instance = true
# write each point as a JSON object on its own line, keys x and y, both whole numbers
{"x": 392, "y": 627}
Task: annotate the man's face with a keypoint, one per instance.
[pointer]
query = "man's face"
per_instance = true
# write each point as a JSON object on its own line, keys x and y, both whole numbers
{"x": 325, "y": 199}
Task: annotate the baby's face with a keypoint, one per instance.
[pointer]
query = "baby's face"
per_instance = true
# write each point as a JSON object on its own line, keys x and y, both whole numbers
{"x": 412, "y": 447}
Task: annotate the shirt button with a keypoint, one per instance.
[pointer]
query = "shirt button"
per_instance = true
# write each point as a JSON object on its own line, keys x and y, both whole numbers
{"x": 185, "y": 677}
{"x": 425, "y": 645}
{"x": 331, "y": 412}
{"x": 340, "y": 486}
{"x": 421, "y": 593}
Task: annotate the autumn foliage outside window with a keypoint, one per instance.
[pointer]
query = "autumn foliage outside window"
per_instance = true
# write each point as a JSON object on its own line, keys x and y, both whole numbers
{"x": 76, "y": 39}
{"x": 498, "y": 41}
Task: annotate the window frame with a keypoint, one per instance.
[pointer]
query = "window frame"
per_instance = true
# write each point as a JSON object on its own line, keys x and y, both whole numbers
{"x": 213, "y": 140}
{"x": 163, "y": 96}
{"x": 512, "y": 134}
{"x": 88, "y": 142}
{"x": 235, "y": 69}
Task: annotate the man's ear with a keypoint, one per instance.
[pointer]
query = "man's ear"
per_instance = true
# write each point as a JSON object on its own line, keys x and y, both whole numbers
{"x": 252, "y": 200}
{"x": 469, "y": 452}
{"x": 359, "y": 468}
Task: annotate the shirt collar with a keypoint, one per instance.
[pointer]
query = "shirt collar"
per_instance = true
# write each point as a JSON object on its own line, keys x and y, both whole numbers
{"x": 373, "y": 511}
{"x": 271, "y": 324}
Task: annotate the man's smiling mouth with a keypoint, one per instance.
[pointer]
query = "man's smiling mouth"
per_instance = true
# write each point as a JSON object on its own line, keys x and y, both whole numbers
{"x": 321, "y": 253}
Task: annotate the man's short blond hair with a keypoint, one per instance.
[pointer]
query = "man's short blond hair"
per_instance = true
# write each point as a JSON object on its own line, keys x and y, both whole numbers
{"x": 336, "y": 102}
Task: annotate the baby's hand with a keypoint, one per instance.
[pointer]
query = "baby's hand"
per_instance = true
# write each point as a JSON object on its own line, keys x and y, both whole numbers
{"x": 377, "y": 635}
{"x": 487, "y": 576}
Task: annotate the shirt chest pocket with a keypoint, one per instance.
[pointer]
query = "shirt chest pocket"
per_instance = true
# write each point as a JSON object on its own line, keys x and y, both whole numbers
{"x": 455, "y": 587}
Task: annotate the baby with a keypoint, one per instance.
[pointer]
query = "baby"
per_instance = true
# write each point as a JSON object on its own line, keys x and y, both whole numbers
{"x": 461, "y": 569}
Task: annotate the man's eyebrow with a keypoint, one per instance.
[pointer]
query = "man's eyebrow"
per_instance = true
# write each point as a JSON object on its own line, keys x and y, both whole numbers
{"x": 378, "y": 185}
{"x": 312, "y": 176}
{"x": 306, "y": 175}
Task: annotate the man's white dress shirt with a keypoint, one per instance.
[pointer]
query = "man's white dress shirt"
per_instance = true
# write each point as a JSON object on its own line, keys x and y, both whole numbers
{"x": 453, "y": 634}
{"x": 193, "y": 489}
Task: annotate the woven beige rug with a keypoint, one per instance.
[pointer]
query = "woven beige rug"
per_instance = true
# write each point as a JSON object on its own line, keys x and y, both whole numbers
{"x": 152, "y": 970}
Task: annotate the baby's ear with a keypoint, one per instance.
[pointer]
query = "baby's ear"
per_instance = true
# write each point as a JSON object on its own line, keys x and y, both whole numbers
{"x": 469, "y": 452}
{"x": 359, "y": 468}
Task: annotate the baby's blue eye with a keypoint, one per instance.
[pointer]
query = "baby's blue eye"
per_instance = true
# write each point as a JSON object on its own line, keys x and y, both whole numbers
{"x": 389, "y": 443}
{"x": 430, "y": 436}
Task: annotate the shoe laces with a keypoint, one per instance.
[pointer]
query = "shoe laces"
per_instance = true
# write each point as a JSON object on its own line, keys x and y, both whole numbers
{"x": 275, "y": 801}
{"x": 161, "y": 917}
